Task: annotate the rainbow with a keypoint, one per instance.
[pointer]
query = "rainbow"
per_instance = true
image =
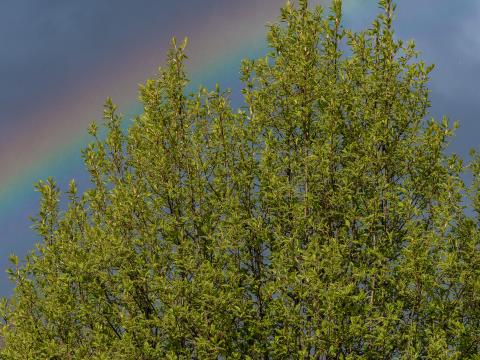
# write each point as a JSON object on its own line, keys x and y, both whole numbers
{"x": 49, "y": 142}
{"x": 60, "y": 126}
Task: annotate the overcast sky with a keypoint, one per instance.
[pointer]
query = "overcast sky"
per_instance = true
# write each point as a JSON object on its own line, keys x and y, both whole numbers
{"x": 48, "y": 46}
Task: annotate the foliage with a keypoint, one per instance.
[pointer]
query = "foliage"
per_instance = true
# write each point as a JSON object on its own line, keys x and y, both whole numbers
{"x": 323, "y": 220}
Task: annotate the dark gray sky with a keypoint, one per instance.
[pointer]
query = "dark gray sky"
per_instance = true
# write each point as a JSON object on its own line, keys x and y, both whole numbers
{"x": 49, "y": 47}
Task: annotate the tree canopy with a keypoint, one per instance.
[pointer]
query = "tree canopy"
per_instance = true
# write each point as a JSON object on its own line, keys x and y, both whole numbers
{"x": 322, "y": 220}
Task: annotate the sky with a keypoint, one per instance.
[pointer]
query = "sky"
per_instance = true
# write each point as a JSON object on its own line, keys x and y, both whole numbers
{"x": 60, "y": 60}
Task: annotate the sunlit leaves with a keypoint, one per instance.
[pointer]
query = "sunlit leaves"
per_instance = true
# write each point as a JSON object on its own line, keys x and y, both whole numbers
{"x": 323, "y": 220}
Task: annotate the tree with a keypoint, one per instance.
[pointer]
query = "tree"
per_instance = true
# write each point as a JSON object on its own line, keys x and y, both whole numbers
{"x": 323, "y": 220}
